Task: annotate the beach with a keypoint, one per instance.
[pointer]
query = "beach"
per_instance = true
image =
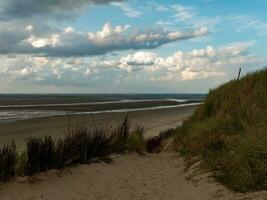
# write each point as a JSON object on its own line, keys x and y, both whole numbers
{"x": 129, "y": 176}
{"x": 153, "y": 121}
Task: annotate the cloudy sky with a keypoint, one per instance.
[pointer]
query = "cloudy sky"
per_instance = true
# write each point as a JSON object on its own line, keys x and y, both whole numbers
{"x": 119, "y": 46}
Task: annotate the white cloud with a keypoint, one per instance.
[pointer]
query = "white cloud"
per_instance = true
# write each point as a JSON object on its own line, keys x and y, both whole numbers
{"x": 183, "y": 13}
{"x": 206, "y": 21}
{"x": 164, "y": 23}
{"x": 52, "y": 40}
{"x": 187, "y": 17}
{"x": 189, "y": 74}
{"x": 29, "y": 28}
{"x": 68, "y": 29}
{"x": 139, "y": 58}
{"x": 130, "y": 12}
{"x": 197, "y": 64}
{"x": 108, "y": 34}
{"x": 158, "y": 7}
{"x": 247, "y": 22}
{"x": 144, "y": 66}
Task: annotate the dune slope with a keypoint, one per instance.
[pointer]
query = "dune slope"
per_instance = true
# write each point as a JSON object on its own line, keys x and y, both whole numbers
{"x": 229, "y": 132}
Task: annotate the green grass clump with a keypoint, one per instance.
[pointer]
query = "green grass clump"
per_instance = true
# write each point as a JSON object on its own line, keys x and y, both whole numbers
{"x": 8, "y": 156}
{"x": 125, "y": 140}
{"x": 229, "y": 132}
{"x": 40, "y": 155}
{"x": 135, "y": 141}
{"x": 156, "y": 143}
{"x": 82, "y": 144}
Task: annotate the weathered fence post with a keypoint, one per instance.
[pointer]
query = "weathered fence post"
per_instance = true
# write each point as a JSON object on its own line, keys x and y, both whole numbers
{"x": 239, "y": 72}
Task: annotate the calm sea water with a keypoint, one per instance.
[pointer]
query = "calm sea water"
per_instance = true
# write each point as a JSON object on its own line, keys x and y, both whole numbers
{"x": 13, "y": 106}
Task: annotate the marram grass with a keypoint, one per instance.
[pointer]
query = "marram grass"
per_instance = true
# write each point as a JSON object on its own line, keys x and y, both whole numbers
{"x": 229, "y": 132}
{"x": 82, "y": 144}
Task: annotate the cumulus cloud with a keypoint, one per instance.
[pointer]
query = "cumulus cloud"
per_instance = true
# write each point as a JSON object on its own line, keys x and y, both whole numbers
{"x": 203, "y": 63}
{"x": 132, "y": 61}
{"x": 30, "y": 8}
{"x": 55, "y": 71}
{"x": 143, "y": 66}
{"x": 139, "y": 58}
{"x": 197, "y": 64}
{"x": 70, "y": 42}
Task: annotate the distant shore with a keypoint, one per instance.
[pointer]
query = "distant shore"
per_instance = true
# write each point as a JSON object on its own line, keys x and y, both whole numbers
{"x": 153, "y": 121}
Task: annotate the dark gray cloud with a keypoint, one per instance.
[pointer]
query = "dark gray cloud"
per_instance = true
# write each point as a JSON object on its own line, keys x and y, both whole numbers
{"x": 29, "y": 8}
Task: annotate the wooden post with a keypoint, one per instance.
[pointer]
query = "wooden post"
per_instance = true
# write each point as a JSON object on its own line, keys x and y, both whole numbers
{"x": 239, "y": 72}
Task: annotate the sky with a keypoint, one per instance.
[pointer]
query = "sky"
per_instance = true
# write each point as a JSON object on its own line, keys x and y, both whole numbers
{"x": 129, "y": 46}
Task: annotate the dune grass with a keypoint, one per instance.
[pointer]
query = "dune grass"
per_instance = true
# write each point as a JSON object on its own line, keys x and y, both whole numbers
{"x": 81, "y": 144}
{"x": 123, "y": 140}
{"x": 229, "y": 132}
{"x": 8, "y": 156}
{"x": 156, "y": 144}
{"x": 40, "y": 155}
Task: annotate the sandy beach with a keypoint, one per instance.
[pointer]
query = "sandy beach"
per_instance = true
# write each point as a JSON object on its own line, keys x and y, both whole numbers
{"x": 129, "y": 177}
{"x": 153, "y": 122}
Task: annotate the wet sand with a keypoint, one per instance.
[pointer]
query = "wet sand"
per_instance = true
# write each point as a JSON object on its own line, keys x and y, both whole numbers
{"x": 153, "y": 121}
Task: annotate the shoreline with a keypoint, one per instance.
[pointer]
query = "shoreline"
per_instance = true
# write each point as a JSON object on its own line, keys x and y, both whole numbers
{"x": 12, "y": 113}
{"x": 54, "y": 113}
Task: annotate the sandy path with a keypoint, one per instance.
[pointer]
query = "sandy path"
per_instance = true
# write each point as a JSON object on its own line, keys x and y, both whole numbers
{"x": 130, "y": 177}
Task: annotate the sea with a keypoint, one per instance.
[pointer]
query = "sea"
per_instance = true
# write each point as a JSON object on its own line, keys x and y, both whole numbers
{"x": 15, "y": 107}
